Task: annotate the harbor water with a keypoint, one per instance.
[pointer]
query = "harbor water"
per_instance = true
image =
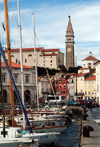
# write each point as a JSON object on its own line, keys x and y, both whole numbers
{"x": 71, "y": 137}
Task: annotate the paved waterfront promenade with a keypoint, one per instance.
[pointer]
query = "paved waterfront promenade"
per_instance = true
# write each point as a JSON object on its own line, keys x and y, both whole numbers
{"x": 94, "y": 139}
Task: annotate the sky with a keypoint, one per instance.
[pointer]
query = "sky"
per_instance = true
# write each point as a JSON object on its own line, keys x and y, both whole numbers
{"x": 51, "y": 20}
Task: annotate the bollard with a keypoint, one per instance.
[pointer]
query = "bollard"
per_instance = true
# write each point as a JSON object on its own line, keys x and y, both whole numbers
{"x": 86, "y": 130}
{"x": 84, "y": 116}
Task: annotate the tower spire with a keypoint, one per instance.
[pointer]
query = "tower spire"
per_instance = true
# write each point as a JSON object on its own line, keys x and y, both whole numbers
{"x": 69, "y": 17}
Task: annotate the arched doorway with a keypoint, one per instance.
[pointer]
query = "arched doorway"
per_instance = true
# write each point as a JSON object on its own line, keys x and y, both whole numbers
{"x": 4, "y": 96}
{"x": 15, "y": 98}
{"x": 27, "y": 97}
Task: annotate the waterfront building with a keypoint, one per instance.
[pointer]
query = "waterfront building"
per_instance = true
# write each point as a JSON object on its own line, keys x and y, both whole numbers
{"x": 97, "y": 90}
{"x": 43, "y": 87}
{"x": 29, "y": 83}
{"x": 90, "y": 87}
{"x": 89, "y": 61}
{"x": 70, "y": 85}
{"x": 47, "y": 58}
{"x": 69, "y": 45}
{"x": 62, "y": 88}
{"x": 79, "y": 79}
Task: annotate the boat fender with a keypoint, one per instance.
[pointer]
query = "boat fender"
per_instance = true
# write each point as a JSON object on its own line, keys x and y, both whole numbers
{"x": 52, "y": 123}
{"x": 42, "y": 125}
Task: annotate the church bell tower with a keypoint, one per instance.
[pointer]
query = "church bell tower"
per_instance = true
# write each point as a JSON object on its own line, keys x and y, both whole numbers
{"x": 69, "y": 45}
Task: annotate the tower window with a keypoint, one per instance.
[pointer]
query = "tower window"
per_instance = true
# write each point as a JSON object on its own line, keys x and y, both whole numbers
{"x": 25, "y": 60}
{"x": 16, "y": 60}
{"x": 68, "y": 39}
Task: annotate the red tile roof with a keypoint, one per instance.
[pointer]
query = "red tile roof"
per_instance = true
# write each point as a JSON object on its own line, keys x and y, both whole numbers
{"x": 50, "y": 50}
{"x": 70, "y": 74}
{"x": 25, "y": 49}
{"x": 83, "y": 68}
{"x": 65, "y": 81}
{"x": 39, "y": 79}
{"x": 90, "y": 58}
{"x": 97, "y": 62}
{"x": 70, "y": 77}
{"x": 16, "y": 65}
{"x": 80, "y": 74}
{"x": 91, "y": 78}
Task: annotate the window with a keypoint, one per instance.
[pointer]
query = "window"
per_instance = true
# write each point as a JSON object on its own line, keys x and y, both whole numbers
{"x": 51, "y": 61}
{"x": 51, "y": 56}
{"x": 12, "y": 55}
{"x": 68, "y": 39}
{"x": 85, "y": 87}
{"x": 50, "y": 64}
{"x": 15, "y": 78}
{"x": 43, "y": 57}
{"x": 85, "y": 92}
{"x": 16, "y": 60}
{"x": 88, "y": 87}
{"x": 92, "y": 82}
{"x": 88, "y": 82}
{"x": 64, "y": 86}
{"x": 85, "y": 82}
{"x": 27, "y": 79}
{"x": 30, "y": 55}
{"x": 25, "y": 60}
{"x": 44, "y": 61}
{"x": 3, "y": 78}
{"x": 44, "y": 64}
{"x": 92, "y": 87}
{"x": 62, "y": 92}
{"x": 59, "y": 86}
{"x": 88, "y": 92}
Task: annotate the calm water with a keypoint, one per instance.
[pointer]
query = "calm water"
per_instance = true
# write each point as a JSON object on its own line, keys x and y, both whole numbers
{"x": 71, "y": 137}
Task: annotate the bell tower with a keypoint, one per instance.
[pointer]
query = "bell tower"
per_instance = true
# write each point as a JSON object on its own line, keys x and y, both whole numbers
{"x": 69, "y": 45}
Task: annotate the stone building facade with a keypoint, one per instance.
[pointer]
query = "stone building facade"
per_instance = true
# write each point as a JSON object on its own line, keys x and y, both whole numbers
{"x": 29, "y": 83}
{"x": 47, "y": 58}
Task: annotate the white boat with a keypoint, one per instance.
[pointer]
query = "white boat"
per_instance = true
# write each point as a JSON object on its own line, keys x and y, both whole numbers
{"x": 46, "y": 129}
{"x": 18, "y": 142}
{"x": 13, "y": 138}
{"x": 44, "y": 138}
{"x": 38, "y": 120}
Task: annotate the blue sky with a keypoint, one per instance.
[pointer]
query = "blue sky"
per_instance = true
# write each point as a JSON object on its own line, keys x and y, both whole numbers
{"x": 51, "y": 20}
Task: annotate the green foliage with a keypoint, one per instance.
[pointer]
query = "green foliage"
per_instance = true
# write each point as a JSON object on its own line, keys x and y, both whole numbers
{"x": 43, "y": 72}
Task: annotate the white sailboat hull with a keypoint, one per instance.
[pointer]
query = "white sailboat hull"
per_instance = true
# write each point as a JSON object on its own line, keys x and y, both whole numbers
{"x": 44, "y": 138}
{"x": 15, "y": 142}
{"x": 46, "y": 129}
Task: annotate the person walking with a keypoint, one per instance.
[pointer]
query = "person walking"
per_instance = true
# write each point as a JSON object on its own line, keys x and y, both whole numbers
{"x": 90, "y": 104}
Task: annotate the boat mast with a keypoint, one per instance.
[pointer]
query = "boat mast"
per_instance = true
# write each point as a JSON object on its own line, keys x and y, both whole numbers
{"x": 2, "y": 99}
{"x": 9, "y": 58}
{"x": 35, "y": 61}
{"x": 21, "y": 59}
